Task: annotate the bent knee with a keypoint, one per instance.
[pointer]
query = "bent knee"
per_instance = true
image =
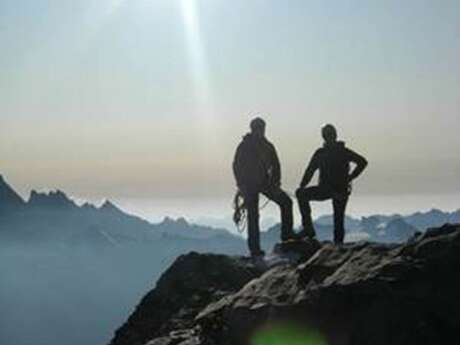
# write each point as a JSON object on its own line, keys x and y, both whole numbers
{"x": 300, "y": 193}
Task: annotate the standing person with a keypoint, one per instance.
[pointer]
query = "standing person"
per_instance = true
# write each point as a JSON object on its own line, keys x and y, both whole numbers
{"x": 333, "y": 162}
{"x": 257, "y": 170}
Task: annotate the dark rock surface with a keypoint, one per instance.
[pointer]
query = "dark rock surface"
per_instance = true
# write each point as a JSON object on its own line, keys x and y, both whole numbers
{"x": 360, "y": 293}
{"x": 189, "y": 285}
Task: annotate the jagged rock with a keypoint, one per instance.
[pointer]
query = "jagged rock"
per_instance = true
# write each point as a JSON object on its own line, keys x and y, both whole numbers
{"x": 353, "y": 294}
{"x": 357, "y": 294}
{"x": 296, "y": 251}
{"x": 192, "y": 282}
{"x": 184, "y": 337}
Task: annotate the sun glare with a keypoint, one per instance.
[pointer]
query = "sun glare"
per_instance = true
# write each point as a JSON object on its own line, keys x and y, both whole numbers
{"x": 114, "y": 5}
{"x": 197, "y": 58}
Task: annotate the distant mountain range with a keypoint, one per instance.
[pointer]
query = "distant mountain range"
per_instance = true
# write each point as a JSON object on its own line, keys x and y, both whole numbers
{"x": 388, "y": 228}
{"x": 67, "y": 267}
{"x": 394, "y": 228}
{"x": 54, "y": 216}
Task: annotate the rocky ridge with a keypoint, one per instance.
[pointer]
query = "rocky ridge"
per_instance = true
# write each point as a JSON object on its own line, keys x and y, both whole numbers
{"x": 359, "y": 293}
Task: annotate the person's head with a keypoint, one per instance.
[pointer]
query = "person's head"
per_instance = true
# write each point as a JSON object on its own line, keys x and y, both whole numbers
{"x": 258, "y": 127}
{"x": 329, "y": 133}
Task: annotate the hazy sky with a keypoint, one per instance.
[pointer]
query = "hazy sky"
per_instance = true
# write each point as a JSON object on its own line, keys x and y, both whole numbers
{"x": 148, "y": 98}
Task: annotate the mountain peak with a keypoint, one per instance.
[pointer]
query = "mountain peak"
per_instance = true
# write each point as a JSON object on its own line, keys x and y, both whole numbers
{"x": 397, "y": 220}
{"x": 168, "y": 221}
{"x": 182, "y": 221}
{"x": 108, "y": 206}
{"x": 52, "y": 199}
{"x": 9, "y": 199}
{"x": 435, "y": 211}
{"x": 88, "y": 206}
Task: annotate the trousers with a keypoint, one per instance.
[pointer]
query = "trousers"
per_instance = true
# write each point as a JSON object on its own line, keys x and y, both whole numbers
{"x": 280, "y": 197}
{"x": 321, "y": 193}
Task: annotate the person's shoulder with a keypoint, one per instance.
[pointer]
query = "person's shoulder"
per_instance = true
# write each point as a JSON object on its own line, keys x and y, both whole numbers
{"x": 268, "y": 143}
{"x": 242, "y": 146}
{"x": 245, "y": 140}
{"x": 354, "y": 156}
{"x": 344, "y": 148}
{"x": 319, "y": 151}
{"x": 317, "y": 155}
{"x": 348, "y": 150}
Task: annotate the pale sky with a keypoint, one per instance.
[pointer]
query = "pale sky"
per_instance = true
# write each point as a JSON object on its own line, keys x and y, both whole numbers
{"x": 149, "y": 98}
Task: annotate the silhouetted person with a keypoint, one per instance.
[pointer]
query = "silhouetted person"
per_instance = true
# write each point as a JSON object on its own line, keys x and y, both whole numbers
{"x": 333, "y": 162}
{"x": 257, "y": 170}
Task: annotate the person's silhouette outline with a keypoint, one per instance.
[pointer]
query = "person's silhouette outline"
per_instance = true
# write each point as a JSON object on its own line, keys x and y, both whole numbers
{"x": 257, "y": 171}
{"x": 333, "y": 162}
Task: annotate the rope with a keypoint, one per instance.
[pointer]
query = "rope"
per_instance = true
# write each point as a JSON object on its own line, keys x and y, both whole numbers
{"x": 240, "y": 215}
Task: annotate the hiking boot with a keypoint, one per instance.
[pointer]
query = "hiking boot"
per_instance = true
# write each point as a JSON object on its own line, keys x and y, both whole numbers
{"x": 291, "y": 236}
{"x": 258, "y": 254}
{"x": 306, "y": 235}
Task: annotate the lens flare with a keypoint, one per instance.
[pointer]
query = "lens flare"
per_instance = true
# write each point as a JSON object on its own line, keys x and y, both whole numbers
{"x": 197, "y": 56}
{"x": 204, "y": 107}
{"x": 287, "y": 334}
{"x": 113, "y": 6}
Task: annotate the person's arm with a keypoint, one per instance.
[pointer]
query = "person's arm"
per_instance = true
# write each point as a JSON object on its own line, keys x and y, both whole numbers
{"x": 237, "y": 165}
{"x": 360, "y": 161}
{"x": 276, "y": 167}
{"x": 310, "y": 170}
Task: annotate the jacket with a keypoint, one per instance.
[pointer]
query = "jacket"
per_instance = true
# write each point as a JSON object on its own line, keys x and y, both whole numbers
{"x": 256, "y": 165}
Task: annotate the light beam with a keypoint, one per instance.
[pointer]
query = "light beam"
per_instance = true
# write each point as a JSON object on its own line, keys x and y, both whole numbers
{"x": 197, "y": 58}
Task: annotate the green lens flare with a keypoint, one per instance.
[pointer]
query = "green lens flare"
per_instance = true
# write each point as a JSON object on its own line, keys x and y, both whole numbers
{"x": 286, "y": 334}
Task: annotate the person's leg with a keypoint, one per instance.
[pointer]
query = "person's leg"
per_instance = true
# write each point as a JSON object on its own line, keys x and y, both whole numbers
{"x": 304, "y": 196}
{"x": 339, "y": 205}
{"x": 283, "y": 200}
{"x": 252, "y": 205}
